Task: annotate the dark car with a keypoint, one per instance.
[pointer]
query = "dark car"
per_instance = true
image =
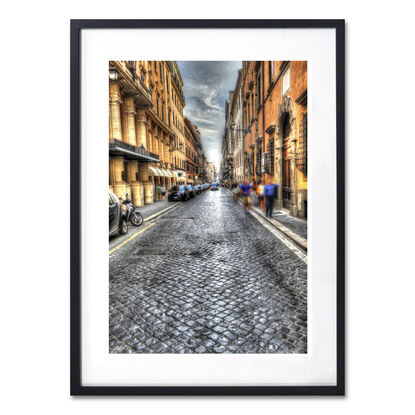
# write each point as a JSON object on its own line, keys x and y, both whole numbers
{"x": 178, "y": 193}
{"x": 192, "y": 192}
{"x": 198, "y": 189}
{"x": 214, "y": 186}
{"x": 117, "y": 216}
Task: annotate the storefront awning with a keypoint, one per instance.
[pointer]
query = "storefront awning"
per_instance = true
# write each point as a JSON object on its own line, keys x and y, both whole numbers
{"x": 164, "y": 173}
{"x": 119, "y": 148}
{"x": 181, "y": 174}
{"x": 169, "y": 173}
{"x": 157, "y": 172}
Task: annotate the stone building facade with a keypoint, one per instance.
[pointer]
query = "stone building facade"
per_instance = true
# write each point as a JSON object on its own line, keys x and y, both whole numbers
{"x": 234, "y": 134}
{"x": 192, "y": 137}
{"x": 146, "y": 129}
{"x": 176, "y": 104}
{"x": 275, "y": 128}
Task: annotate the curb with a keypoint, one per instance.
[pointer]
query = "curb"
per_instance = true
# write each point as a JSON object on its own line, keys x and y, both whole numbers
{"x": 161, "y": 212}
{"x": 301, "y": 242}
{"x": 298, "y": 240}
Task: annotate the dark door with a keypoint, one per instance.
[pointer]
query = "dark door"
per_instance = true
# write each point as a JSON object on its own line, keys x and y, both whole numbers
{"x": 113, "y": 213}
{"x": 286, "y": 163}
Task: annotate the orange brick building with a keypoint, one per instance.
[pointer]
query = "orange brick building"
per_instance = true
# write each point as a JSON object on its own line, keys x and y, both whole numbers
{"x": 275, "y": 128}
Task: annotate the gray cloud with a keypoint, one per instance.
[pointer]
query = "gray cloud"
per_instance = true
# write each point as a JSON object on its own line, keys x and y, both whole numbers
{"x": 206, "y": 88}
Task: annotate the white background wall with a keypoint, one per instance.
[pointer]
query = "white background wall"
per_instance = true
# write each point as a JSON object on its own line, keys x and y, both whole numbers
{"x": 34, "y": 303}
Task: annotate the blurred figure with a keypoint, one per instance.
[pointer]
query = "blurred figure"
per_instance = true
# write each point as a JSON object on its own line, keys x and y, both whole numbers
{"x": 270, "y": 191}
{"x": 236, "y": 191}
{"x": 254, "y": 194}
{"x": 246, "y": 193}
{"x": 261, "y": 197}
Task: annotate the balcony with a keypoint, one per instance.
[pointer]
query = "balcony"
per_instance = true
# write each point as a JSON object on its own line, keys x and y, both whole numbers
{"x": 130, "y": 85}
{"x": 119, "y": 148}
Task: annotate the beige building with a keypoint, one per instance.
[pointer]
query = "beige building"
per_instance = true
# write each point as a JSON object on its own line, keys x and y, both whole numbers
{"x": 176, "y": 104}
{"x": 129, "y": 158}
{"x": 146, "y": 129}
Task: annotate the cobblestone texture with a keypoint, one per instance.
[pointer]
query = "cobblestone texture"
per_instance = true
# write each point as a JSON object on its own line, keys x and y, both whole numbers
{"x": 207, "y": 278}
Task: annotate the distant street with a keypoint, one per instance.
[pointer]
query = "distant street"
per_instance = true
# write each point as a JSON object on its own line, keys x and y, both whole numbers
{"x": 206, "y": 278}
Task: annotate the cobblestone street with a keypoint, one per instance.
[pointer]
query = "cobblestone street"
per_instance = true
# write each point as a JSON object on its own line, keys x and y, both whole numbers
{"x": 207, "y": 278}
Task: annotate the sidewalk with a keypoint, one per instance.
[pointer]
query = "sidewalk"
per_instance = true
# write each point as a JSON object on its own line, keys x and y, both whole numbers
{"x": 294, "y": 228}
{"x": 151, "y": 211}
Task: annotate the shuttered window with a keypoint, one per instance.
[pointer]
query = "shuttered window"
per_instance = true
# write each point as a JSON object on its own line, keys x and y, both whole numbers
{"x": 301, "y": 158}
{"x": 270, "y": 154}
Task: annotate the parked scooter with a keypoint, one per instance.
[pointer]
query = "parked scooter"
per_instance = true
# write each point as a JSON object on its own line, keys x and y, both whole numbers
{"x": 133, "y": 215}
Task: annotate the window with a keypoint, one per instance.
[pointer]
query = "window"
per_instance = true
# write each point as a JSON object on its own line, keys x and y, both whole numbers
{"x": 286, "y": 81}
{"x": 301, "y": 157}
{"x": 161, "y": 72}
{"x": 155, "y": 66}
{"x": 270, "y": 156}
{"x": 162, "y": 112}
{"x": 157, "y": 106}
{"x": 270, "y": 72}
{"x": 259, "y": 90}
{"x": 258, "y": 160}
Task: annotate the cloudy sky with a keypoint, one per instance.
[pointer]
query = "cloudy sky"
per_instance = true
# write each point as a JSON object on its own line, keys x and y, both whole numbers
{"x": 206, "y": 88}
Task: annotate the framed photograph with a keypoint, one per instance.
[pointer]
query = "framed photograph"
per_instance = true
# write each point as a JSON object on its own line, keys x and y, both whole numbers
{"x": 220, "y": 147}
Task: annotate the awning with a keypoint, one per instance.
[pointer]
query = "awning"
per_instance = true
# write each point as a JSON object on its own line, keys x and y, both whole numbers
{"x": 181, "y": 174}
{"x": 175, "y": 174}
{"x": 169, "y": 173}
{"x": 154, "y": 171}
{"x": 119, "y": 148}
{"x": 164, "y": 173}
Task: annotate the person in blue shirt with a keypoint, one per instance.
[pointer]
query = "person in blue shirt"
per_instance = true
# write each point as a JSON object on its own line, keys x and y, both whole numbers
{"x": 270, "y": 193}
{"x": 245, "y": 189}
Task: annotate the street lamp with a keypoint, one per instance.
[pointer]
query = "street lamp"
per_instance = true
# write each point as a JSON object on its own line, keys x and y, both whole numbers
{"x": 113, "y": 74}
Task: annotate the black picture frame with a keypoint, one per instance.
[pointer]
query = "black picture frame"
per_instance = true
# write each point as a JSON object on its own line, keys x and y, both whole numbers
{"x": 76, "y": 387}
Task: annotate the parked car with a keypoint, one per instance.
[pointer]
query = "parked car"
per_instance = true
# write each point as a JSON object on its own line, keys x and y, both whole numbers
{"x": 178, "y": 193}
{"x": 214, "y": 186}
{"x": 198, "y": 189}
{"x": 192, "y": 192}
{"x": 117, "y": 216}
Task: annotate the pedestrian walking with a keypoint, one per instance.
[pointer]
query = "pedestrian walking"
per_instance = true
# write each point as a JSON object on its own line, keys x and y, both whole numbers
{"x": 158, "y": 192}
{"x": 235, "y": 192}
{"x": 254, "y": 195}
{"x": 246, "y": 193}
{"x": 269, "y": 193}
{"x": 261, "y": 197}
{"x": 163, "y": 192}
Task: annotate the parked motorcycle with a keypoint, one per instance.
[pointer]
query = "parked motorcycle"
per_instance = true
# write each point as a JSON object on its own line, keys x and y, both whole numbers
{"x": 133, "y": 215}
